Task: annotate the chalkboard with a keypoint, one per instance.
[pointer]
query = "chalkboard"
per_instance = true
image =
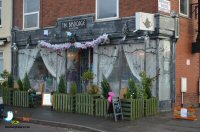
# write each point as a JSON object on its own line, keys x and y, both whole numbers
{"x": 117, "y": 108}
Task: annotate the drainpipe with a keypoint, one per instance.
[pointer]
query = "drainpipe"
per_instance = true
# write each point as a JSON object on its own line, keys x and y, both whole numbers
{"x": 12, "y": 41}
{"x": 198, "y": 42}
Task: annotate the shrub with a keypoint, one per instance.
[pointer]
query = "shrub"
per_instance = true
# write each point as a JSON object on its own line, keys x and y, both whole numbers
{"x": 10, "y": 81}
{"x": 62, "y": 85}
{"x": 88, "y": 75}
{"x": 93, "y": 89}
{"x": 147, "y": 85}
{"x": 133, "y": 88}
{"x": 105, "y": 87}
{"x": 128, "y": 94}
{"x": 5, "y": 74}
{"x": 73, "y": 90}
{"x": 26, "y": 83}
{"x": 19, "y": 82}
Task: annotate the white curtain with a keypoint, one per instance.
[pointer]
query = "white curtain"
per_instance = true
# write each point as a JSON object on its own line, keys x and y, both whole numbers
{"x": 107, "y": 59}
{"x": 26, "y": 58}
{"x": 54, "y": 62}
{"x": 135, "y": 57}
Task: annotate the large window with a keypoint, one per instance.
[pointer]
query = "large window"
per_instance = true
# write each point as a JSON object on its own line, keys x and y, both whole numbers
{"x": 31, "y": 14}
{"x": 107, "y": 9}
{"x": 0, "y": 11}
{"x": 184, "y": 7}
{"x": 1, "y": 63}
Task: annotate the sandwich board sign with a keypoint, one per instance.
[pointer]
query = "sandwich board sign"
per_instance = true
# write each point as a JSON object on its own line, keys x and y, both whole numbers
{"x": 117, "y": 108}
{"x": 46, "y": 99}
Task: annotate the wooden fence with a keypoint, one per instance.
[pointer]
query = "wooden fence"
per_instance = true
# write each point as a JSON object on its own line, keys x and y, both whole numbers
{"x": 85, "y": 103}
{"x": 7, "y": 95}
{"x": 101, "y": 106}
{"x": 64, "y": 102}
{"x": 132, "y": 108}
{"x": 151, "y": 106}
{"x": 21, "y": 99}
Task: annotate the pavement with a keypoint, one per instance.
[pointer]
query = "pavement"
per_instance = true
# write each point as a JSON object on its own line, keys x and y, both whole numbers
{"x": 162, "y": 122}
{"x": 30, "y": 127}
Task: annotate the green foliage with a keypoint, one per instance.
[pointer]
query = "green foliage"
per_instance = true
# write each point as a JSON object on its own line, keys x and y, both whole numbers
{"x": 32, "y": 91}
{"x": 88, "y": 75}
{"x": 10, "y": 81}
{"x": 62, "y": 85}
{"x": 105, "y": 87}
{"x": 128, "y": 94}
{"x": 5, "y": 84}
{"x": 147, "y": 85}
{"x": 133, "y": 88}
{"x": 93, "y": 89}
{"x": 26, "y": 83}
{"x": 19, "y": 82}
{"x": 73, "y": 88}
{"x": 5, "y": 74}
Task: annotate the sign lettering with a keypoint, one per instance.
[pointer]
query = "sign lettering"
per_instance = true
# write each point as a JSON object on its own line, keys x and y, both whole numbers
{"x": 74, "y": 25}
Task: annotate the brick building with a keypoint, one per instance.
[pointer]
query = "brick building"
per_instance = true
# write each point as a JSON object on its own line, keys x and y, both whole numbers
{"x": 45, "y": 20}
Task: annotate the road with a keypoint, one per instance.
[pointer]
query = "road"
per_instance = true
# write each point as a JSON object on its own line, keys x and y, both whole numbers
{"x": 24, "y": 127}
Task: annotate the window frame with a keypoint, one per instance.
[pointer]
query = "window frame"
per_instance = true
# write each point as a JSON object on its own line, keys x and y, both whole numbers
{"x": 188, "y": 9}
{"x": 2, "y": 58}
{"x": 31, "y": 13}
{"x": 109, "y": 18}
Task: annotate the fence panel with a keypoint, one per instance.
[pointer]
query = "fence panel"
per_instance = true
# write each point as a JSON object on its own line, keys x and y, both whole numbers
{"x": 21, "y": 98}
{"x": 101, "y": 106}
{"x": 151, "y": 106}
{"x": 63, "y": 102}
{"x": 132, "y": 108}
{"x": 7, "y": 95}
{"x": 85, "y": 103}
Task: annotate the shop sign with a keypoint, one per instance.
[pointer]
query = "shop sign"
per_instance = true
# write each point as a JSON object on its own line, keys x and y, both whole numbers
{"x": 144, "y": 21}
{"x": 164, "y": 6}
{"x": 74, "y": 25}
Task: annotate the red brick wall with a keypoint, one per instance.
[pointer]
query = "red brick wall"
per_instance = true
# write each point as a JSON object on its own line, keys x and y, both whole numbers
{"x": 184, "y": 52}
{"x": 18, "y": 13}
{"x": 50, "y": 10}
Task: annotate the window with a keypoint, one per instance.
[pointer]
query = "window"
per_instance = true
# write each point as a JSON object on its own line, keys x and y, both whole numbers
{"x": 184, "y": 7}
{"x": 1, "y": 63}
{"x": 0, "y": 10}
{"x": 107, "y": 9}
{"x": 31, "y": 14}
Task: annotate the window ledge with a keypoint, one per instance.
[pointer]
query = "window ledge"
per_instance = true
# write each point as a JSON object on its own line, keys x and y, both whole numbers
{"x": 107, "y": 19}
{"x": 184, "y": 16}
{"x": 28, "y": 29}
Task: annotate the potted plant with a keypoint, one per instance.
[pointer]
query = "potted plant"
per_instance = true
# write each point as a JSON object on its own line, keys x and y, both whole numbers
{"x": 87, "y": 77}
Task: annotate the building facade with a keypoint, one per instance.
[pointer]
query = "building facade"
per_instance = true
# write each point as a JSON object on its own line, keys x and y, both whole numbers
{"x": 5, "y": 35}
{"x": 79, "y": 26}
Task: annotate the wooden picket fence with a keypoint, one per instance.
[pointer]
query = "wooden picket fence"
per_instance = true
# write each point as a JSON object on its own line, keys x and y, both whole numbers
{"x": 151, "y": 106}
{"x": 85, "y": 103}
{"x": 132, "y": 108}
{"x": 21, "y": 99}
{"x": 64, "y": 102}
{"x": 101, "y": 106}
{"x": 7, "y": 95}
